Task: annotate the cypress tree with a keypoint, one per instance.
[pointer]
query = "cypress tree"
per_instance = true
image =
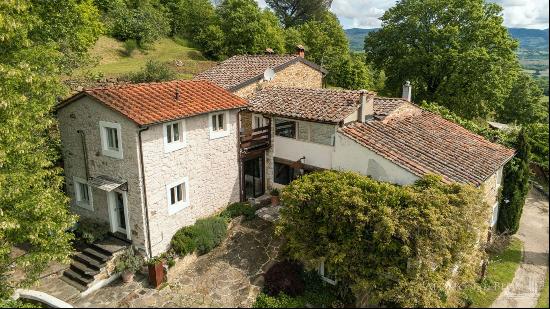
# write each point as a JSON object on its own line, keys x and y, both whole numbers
{"x": 515, "y": 187}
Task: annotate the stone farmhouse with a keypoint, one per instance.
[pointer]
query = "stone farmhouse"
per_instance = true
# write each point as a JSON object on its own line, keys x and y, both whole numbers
{"x": 149, "y": 159}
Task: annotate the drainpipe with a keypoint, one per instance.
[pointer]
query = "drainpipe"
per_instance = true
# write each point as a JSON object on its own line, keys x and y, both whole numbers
{"x": 239, "y": 159}
{"x": 147, "y": 229}
{"x": 85, "y": 152}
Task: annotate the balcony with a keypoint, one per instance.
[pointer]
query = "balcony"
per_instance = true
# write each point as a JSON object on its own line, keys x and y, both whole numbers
{"x": 255, "y": 140}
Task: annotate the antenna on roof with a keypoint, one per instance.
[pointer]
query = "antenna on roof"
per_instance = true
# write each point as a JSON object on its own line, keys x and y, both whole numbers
{"x": 269, "y": 74}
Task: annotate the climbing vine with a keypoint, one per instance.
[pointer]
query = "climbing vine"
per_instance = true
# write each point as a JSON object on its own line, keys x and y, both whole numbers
{"x": 400, "y": 244}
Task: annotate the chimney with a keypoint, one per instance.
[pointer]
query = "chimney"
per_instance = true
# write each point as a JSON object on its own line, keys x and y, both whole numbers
{"x": 269, "y": 51}
{"x": 407, "y": 91}
{"x": 366, "y": 110}
{"x": 300, "y": 51}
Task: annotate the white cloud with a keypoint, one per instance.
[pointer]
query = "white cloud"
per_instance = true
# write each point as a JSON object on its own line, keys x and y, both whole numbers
{"x": 366, "y": 13}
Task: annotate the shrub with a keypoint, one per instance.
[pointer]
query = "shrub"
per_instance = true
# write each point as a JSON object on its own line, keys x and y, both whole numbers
{"x": 239, "y": 209}
{"x": 280, "y": 301}
{"x": 183, "y": 241}
{"x": 202, "y": 237}
{"x": 209, "y": 233}
{"x": 90, "y": 231}
{"x": 284, "y": 277}
{"x": 129, "y": 47}
{"x": 154, "y": 71}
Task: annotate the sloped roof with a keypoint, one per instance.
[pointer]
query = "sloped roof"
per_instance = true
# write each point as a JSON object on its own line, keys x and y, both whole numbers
{"x": 240, "y": 70}
{"x": 161, "y": 102}
{"x": 426, "y": 143}
{"x": 323, "y": 105}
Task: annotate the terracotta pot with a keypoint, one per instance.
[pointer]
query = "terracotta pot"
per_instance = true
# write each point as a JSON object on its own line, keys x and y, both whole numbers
{"x": 275, "y": 200}
{"x": 127, "y": 276}
{"x": 156, "y": 274}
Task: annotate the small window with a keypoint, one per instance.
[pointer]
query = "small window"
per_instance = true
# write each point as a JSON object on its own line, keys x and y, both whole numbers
{"x": 111, "y": 141}
{"x": 219, "y": 125}
{"x": 285, "y": 128}
{"x": 174, "y": 136}
{"x": 83, "y": 193}
{"x": 177, "y": 196}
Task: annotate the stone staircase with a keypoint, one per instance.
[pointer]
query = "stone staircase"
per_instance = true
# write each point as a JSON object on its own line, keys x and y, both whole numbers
{"x": 93, "y": 263}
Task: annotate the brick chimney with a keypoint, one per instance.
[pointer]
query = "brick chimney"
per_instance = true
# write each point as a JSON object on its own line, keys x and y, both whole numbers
{"x": 300, "y": 51}
{"x": 366, "y": 109}
{"x": 407, "y": 91}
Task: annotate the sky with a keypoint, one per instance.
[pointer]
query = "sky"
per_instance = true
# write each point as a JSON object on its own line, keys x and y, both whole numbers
{"x": 365, "y": 13}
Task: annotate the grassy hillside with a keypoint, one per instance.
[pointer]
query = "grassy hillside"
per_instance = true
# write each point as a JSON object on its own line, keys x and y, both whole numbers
{"x": 110, "y": 59}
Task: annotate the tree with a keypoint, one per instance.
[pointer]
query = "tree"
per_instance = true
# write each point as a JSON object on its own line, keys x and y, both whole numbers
{"x": 189, "y": 17}
{"x": 386, "y": 239}
{"x": 247, "y": 29}
{"x": 524, "y": 104}
{"x": 515, "y": 187}
{"x": 296, "y": 12}
{"x": 154, "y": 71}
{"x": 353, "y": 73}
{"x": 212, "y": 41}
{"x": 37, "y": 38}
{"x": 143, "y": 21}
{"x": 455, "y": 52}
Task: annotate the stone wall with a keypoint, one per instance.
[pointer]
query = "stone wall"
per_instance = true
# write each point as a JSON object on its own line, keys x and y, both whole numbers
{"x": 296, "y": 75}
{"x": 85, "y": 114}
{"x": 211, "y": 166}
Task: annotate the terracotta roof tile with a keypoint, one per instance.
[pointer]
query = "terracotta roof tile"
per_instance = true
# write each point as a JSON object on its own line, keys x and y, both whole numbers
{"x": 326, "y": 105}
{"x": 237, "y": 70}
{"x": 156, "y": 102}
{"x": 426, "y": 143}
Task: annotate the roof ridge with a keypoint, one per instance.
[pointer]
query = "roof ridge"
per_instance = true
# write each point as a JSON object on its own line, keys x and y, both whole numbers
{"x": 318, "y": 89}
{"x": 134, "y": 85}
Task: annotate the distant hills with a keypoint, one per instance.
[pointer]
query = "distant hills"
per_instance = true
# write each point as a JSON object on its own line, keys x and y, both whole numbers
{"x": 530, "y": 39}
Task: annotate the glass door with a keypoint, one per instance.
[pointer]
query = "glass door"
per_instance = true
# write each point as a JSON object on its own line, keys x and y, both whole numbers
{"x": 120, "y": 214}
{"x": 253, "y": 170}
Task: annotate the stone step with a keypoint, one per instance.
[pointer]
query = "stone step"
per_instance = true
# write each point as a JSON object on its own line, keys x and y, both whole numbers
{"x": 83, "y": 270}
{"x": 110, "y": 245}
{"x": 69, "y": 273}
{"x": 76, "y": 285}
{"x": 100, "y": 257}
{"x": 88, "y": 261}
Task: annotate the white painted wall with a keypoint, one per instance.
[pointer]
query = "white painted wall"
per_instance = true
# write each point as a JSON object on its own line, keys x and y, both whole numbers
{"x": 209, "y": 164}
{"x": 351, "y": 156}
{"x": 291, "y": 149}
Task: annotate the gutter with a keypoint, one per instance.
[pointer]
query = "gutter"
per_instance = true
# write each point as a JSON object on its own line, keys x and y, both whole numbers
{"x": 239, "y": 162}
{"x": 142, "y": 167}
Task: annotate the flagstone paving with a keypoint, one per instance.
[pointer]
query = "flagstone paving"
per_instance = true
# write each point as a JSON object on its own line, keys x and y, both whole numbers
{"x": 229, "y": 276}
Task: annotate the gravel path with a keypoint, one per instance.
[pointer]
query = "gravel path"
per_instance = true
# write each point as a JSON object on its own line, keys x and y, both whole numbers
{"x": 525, "y": 289}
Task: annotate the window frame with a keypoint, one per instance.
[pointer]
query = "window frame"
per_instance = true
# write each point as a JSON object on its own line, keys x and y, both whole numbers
{"x": 261, "y": 120}
{"x": 296, "y": 127}
{"x": 78, "y": 194}
{"x": 178, "y": 206}
{"x": 214, "y": 134}
{"x": 494, "y": 215}
{"x": 105, "y": 150}
{"x": 321, "y": 271}
{"x": 174, "y": 145}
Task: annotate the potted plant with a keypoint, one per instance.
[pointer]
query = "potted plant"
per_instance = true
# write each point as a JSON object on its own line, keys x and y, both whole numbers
{"x": 156, "y": 271}
{"x": 275, "y": 197}
{"x": 127, "y": 264}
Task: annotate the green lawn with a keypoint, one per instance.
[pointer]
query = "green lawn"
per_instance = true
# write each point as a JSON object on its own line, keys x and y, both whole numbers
{"x": 543, "y": 298}
{"x": 111, "y": 61}
{"x": 500, "y": 273}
